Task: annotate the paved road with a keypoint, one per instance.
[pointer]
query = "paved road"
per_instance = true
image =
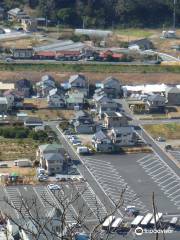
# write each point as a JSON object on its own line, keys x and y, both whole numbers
{"x": 98, "y": 190}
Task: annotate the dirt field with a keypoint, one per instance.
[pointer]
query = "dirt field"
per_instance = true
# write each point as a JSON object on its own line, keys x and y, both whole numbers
{"x": 126, "y": 78}
{"x": 46, "y": 114}
{"x": 13, "y": 149}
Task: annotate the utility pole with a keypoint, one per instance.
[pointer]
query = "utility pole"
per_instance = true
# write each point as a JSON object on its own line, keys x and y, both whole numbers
{"x": 174, "y": 16}
{"x": 154, "y": 215}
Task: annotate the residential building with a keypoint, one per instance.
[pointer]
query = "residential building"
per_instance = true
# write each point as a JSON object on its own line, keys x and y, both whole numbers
{"x": 68, "y": 55}
{"x": 155, "y": 103}
{"x": 114, "y": 119}
{"x": 123, "y": 136}
{"x": 55, "y": 99}
{"x": 83, "y": 123}
{"x": 53, "y": 163}
{"x": 24, "y": 86}
{"x": 107, "y": 106}
{"x": 29, "y": 25}
{"x": 16, "y": 14}
{"x": 33, "y": 122}
{"x": 78, "y": 81}
{"x": 173, "y": 96}
{"x": 74, "y": 100}
{"x": 46, "y": 84}
{"x": 102, "y": 143}
{"x": 112, "y": 87}
{"x": 3, "y": 105}
{"x": 22, "y": 53}
{"x": 18, "y": 98}
{"x": 6, "y": 86}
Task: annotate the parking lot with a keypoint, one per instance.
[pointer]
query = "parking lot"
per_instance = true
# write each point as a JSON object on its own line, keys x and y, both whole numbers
{"x": 94, "y": 204}
{"x": 113, "y": 183}
{"x": 115, "y": 172}
{"x": 175, "y": 154}
{"x": 163, "y": 176}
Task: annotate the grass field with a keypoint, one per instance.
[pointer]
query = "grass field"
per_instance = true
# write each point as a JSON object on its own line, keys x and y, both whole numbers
{"x": 169, "y": 131}
{"x": 104, "y": 68}
{"x": 135, "y": 32}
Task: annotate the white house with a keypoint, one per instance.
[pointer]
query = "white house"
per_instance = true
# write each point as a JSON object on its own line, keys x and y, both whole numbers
{"x": 123, "y": 136}
{"x": 55, "y": 99}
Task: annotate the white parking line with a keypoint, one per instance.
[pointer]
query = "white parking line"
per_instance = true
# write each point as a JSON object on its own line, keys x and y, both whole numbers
{"x": 147, "y": 165}
{"x": 167, "y": 180}
{"x": 156, "y": 175}
{"x": 155, "y": 166}
{"x": 152, "y": 173}
{"x": 174, "y": 192}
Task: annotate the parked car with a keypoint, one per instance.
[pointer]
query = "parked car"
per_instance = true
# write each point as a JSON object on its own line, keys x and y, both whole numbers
{"x": 160, "y": 139}
{"x": 54, "y": 187}
{"x": 42, "y": 178}
{"x": 3, "y": 165}
{"x": 76, "y": 143}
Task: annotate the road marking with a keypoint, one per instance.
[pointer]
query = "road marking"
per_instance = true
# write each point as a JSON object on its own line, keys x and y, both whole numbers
{"x": 152, "y": 173}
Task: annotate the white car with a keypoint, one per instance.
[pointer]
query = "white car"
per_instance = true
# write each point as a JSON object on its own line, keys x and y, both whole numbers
{"x": 54, "y": 187}
{"x": 77, "y": 143}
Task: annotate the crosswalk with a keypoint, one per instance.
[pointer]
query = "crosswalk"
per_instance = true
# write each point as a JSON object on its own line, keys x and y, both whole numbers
{"x": 167, "y": 180}
{"x": 113, "y": 184}
{"x": 95, "y": 206}
{"x": 18, "y": 202}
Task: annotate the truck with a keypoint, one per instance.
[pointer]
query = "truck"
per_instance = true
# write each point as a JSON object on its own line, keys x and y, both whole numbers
{"x": 107, "y": 223}
{"x": 23, "y": 163}
{"x": 157, "y": 217}
{"x": 146, "y": 220}
{"x": 116, "y": 223}
{"x": 136, "y": 221}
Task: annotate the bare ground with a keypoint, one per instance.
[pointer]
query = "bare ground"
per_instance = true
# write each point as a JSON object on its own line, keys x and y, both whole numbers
{"x": 126, "y": 78}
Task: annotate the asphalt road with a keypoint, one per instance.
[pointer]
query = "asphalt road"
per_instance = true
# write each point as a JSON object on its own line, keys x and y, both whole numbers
{"x": 98, "y": 190}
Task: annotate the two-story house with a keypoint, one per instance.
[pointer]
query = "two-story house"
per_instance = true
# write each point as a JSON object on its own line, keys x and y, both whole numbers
{"x": 46, "y": 84}
{"x": 75, "y": 100}
{"x": 51, "y": 157}
{"x": 156, "y": 103}
{"x": 112, "y": 87}
{"x": 78, "y": 81}
{"x": 25, "y": 87}
{"x": 107, "y": 106}
{"x": 102, "y": 143}
{"x": 55, "y": 99}
{"x": 83, "y": 123}
{"x": 114, "y": 119}
{"x": 123, "y": 136}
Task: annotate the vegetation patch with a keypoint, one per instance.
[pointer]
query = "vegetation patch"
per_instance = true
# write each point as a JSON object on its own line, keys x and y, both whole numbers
{"x": 168, "y": 131}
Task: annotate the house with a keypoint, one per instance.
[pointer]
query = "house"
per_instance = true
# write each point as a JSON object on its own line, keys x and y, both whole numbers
{"x": 68, "y": 55}
{"x": 114, "y": 119}
{"x": 173, "y": 96}
{"x": 83, "y": 123}
{"x": 156, "y": 103}
{"x": 98, "y": 99}
{"x": 102, "y": 143}
{"x": 46, "y": 84}
{"x": 123, "y": 136}
{"x": 17, "y": 97}
{"x": 55, "y": 99}
{"x": 6, "y": 86}
{"x": 22, "y": 53}
{"x": 48, "y": 148}
{"x": 107, "y": 106}
{"x": 45, "y": 54}
{"x": 112, "y": 87}
{"x": 3, "y": 105}
{"x": 74, "y": 100}
{"x": 32, "y": 122}
{"x": 16, "y": 14}
{"x": 24, "y": 86}
{"x": 29, "y": 25}
{"x": 78, "y": 81}
{"x": 53, "y": 163}
{"x": 144, "y": 44}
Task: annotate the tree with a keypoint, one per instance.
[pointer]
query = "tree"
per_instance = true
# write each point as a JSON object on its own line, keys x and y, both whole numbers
{"x": 53, "y": 224}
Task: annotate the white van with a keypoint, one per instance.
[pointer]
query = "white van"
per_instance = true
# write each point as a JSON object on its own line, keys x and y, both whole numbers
{"x": 83, "y": 150}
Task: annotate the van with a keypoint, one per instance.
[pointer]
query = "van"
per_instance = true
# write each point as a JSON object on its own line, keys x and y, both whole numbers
{"x": 82, "y": 150}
